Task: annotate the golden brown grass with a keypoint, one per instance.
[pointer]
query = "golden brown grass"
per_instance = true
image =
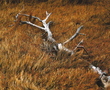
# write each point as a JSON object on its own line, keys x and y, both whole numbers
{"x": 23, "y": 65}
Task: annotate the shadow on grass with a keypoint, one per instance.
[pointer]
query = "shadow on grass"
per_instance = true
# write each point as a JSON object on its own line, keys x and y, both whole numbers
{"x": 77, "y": 1}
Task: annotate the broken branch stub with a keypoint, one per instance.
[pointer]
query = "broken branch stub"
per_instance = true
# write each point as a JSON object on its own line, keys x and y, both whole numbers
{"x": 103, "y": 76}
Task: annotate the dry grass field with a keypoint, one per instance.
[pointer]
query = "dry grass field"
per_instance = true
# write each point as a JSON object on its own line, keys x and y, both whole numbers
{"x": 25, "y": 66}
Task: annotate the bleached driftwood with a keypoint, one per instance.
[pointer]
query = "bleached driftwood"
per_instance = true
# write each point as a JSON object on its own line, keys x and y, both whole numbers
{"x": 60, "y": 46}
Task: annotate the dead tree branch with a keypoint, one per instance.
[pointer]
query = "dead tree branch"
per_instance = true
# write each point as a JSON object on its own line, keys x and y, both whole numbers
{"x": 60, "y": 46}
{"x": 75, "y": 35}
{"x": 56, "y": 47}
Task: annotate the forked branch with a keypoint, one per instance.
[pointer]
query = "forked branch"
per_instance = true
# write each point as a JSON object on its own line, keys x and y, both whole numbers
{"x": 45, "y": 27}
{"x": 75, "y": 35}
